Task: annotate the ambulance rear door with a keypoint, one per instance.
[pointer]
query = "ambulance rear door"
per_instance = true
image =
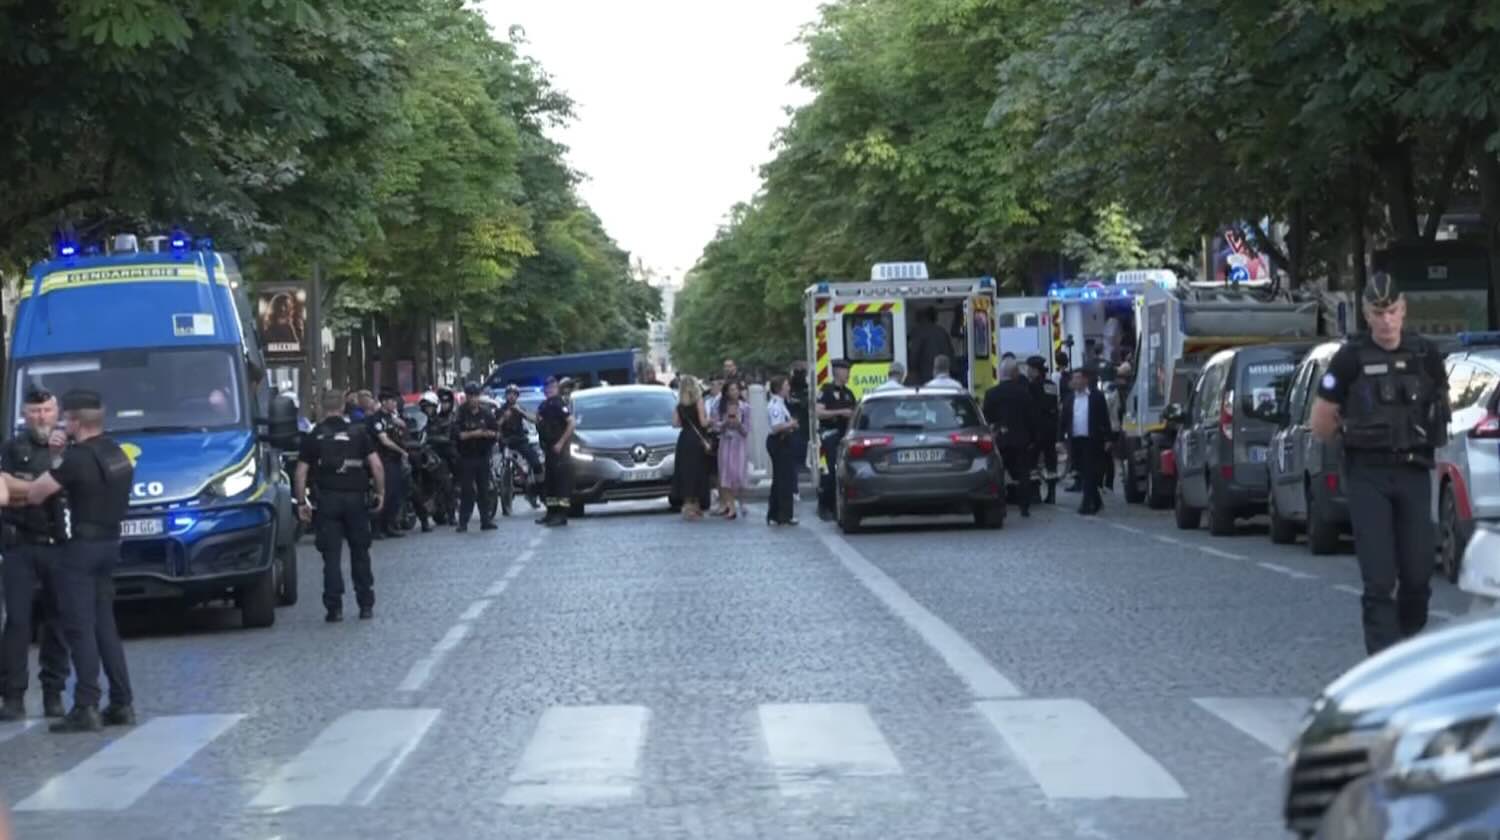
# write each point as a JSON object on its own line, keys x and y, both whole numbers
{"x": 870, "y": 333}
{"x": 982, "y": 337}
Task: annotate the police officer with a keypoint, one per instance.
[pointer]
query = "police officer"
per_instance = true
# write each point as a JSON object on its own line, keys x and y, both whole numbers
{"x": 1388, "y": 392}
{"x": 31, "y": 553}
{"x": 475, "y": 430}
{"x": 341, "y": 459}
{"x": 96, "y": 475}
{"x": 835, "y": 406}
{"x": 555, "y": 426}
{"x": 513, "y": 420}
{"x": 385, "y": 427}
{"x": 1010, "y": 412}
{"x": 1045, "y": 397}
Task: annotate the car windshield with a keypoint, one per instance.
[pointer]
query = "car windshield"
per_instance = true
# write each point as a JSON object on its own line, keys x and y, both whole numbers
{"x": 147, "y": 390}
{"x": 934, "y": 413}
{"x": 1265, "y": 383}
{"x": 628, "y": 410}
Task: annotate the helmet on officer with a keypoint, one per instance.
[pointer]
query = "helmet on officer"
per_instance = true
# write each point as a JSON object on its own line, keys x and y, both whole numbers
{"x": 428, "y": 398}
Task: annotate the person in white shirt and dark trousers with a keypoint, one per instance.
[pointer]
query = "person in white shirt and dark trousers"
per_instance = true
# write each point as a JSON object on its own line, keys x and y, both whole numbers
{"x": 780, "y": 446}
{"x": 1086, "y": 428}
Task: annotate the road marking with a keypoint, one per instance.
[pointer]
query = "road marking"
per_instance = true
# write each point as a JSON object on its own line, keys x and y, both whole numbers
{"x": 1443, "y": 614}
{"x": 495, "y": 590}
{"x": 113, "y": 778}
{"x": 1126, "y": 528}
{"x": 421, "y": 670}
{"x": 1074, "y": 752}
{"x": 1273, "y": 721}
{"x": 811, "y": 745}
{"x": 350, "y": 760}
{"x": 11, "y": 730}
{"x": 1352, "y": 590}
{"x": 525, "y": 557}
{"x": 581, "y": 755}
{"x": 1283, "y": 570}
{"x": 1227, "y": 555}
{"x": 1168, "y": 540}
{"x": 537, "y": 540}
{"x": 963, "y": 658}
{"x": 475, "y": 610}
{"x": 452, "y": 638}
{"x": 510, "y": 574}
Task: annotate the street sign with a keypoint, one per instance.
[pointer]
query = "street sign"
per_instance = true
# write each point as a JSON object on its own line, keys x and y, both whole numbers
{"x": 465, "y": 365}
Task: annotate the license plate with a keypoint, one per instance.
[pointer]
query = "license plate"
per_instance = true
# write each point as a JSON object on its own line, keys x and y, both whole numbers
{"x": 141, "y": 528}
{"x": 1257, "y": 454}
{"x": 921, "y": 456}
{"x": 642, "y": 475}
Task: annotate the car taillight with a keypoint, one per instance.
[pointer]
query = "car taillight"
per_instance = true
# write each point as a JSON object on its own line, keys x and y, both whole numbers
{"x": 860, "y": 447}
{"x": 984, "y": 443}
{"x": 1489, "y": 427}
{"x": 1169, "y": 463}
{"x": 1226, "y": 415}
{"x": 1331, "y": 482}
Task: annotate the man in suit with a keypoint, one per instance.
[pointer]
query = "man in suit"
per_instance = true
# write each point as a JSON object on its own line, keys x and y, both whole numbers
{"x": 1012, "y": 414}
{"x": 1084, "y": 424}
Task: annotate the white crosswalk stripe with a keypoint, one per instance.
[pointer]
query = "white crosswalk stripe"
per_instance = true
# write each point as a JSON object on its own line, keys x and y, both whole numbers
{"x": 581, "y": 755}
{"x": 115, "y": 777}
{"x": 812, "y": 746}
{"x": 1270, "y": 720}
{"x": 350, "y": 760}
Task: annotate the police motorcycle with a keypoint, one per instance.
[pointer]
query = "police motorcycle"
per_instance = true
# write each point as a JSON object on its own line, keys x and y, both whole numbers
{"x": 427, "y": 474}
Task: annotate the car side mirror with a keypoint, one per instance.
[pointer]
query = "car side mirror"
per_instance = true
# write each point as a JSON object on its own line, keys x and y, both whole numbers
{"x": 1174, "y": 413}
{"x": 281, "y": 423}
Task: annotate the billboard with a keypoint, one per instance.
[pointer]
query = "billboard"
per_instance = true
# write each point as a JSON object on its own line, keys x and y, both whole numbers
{"x": 1236, "y": 259}
{"x": 280, "y": 315}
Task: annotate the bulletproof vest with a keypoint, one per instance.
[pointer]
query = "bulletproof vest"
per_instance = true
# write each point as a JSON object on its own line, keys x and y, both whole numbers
{"x": 340, "y": 466}
{"x": 1393, "y": 405}
{"x": 96, "y": 510}
{"x": 30, "y": 460}
{"x": 512, "y": 424}
{"x": 842, "y": 398}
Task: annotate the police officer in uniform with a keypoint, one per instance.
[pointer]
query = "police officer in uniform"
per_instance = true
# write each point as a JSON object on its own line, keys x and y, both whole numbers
{"x": 385, "y": 428}
{"x": 341, "y": 459}
{"x": 31, "y": 553}
{"x": 475, "y": 430}
{"x": 835, "y": 406}
{"x": 96, "y": 475}
{"x": 1011, "y": 414}
{"x": 1388, "y": 392}
{"x": 1045, "y": 397}
{"x": 513, "y": 420}
{"x": 555, "y": 425}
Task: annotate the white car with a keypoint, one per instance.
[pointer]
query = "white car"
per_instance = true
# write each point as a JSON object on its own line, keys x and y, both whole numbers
{"x": 1468, "y": 466}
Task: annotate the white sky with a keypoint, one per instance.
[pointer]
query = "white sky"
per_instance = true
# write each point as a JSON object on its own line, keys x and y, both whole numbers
{"x": 678, "y": 102}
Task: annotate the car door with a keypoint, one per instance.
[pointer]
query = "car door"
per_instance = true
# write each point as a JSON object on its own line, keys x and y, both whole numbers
{"x": 1285, "y": 463}
{"x": 1202, "y": 431}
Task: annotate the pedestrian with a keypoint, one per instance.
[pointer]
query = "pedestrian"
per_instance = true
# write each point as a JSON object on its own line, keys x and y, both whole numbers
{"x": 941, "y": 375}
{"x": 799, "y": 404}
{"x": 781, "y": 446}
{"x": 1011, "y": 414}
{"x": 32, "y": 554}
{"x": 835, "y": 406}
{"x": 340, "y": 458}
{"x": 690, "y": 480}
{"x": 926, "y": 342}
{"x": 1044, "y": 453}
{"x": 96, "y": 476}
{"x": 732, "y": 422}
{"x": 1387, "y": 391}
{"x": 385, "y": 430}
{"x": 555, "y": 425}
{"x": 1085, "y": 426}
{"x": 895, "y": 378}
{"x": 476, "y": 429}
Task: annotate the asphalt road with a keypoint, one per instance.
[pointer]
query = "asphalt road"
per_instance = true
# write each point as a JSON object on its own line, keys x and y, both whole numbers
{"x": 636, "y": 676}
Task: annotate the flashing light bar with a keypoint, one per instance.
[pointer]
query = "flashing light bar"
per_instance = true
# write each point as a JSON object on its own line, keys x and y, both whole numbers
{"x": 179, "y": 240}
{"x": 1090, "y": 293}
{"x": 67, "y": 249}
{"x": 899, "y": 271}
{"x": 1479, "y": 339}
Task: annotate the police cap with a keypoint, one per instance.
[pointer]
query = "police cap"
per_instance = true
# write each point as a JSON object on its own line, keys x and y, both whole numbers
{"x": 82, "y": 401}
{"x": 389, "y": 394}
{"x": 1382, "y": 290}
{"x": 37, "y": 396}
{"x": 471, "y": 389}
{"x": 840, "y": 364}
{"x": 1037, "y": 363}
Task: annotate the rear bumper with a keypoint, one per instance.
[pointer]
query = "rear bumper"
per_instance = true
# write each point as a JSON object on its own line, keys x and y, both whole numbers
{"x": 221, "y": 550}
{"x": 870, "y": 492}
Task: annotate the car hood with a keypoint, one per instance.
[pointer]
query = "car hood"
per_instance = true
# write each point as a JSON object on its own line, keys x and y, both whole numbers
{"x": 1460, "y": 658}
{"x": 173, "y": 467}
{"x": 648, "y": 436}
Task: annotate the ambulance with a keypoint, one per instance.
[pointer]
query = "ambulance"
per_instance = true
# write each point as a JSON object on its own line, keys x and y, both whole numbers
{"x": 868, "y": 323}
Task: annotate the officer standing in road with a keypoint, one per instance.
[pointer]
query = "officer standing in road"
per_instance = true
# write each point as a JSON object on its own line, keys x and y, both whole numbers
{"x": 475, "y": 430}
{"x": 385, "y": 429}
{"x": 341, "y": 459}
{"x": 1388, "y": 392}
{"x": 31, "y": 555}
{"x": 1045, "y": 397}
{"x": 555, "y": 426}
{"x": 513, "y": 420}
{"x": 1010, "y": 412}
{"x": 96, "y": 475}
{"x": 835, "y": 406}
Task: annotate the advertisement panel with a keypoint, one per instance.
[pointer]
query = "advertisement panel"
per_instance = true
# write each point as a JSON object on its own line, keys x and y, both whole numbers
{"x": 281, "y": 316}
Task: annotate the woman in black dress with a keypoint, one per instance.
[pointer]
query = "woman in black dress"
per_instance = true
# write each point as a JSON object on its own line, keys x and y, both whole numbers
{"x": 690, "y": 474}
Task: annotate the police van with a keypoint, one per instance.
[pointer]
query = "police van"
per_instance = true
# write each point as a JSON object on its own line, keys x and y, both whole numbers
{"x": 166, "y": 336}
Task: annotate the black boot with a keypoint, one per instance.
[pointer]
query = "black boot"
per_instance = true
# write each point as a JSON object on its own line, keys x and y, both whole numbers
{"x": 1051, "y": 492}
{"x": 13, "y": 709}
{"x": 118, "y": 715}
{"x": 81, "y": 719}
{"x": 366, "y": 613}
{"x": 487, "y": 526}
{"x": 52, "y": 704}
{"x": 335, "y": 615}
{"x": 426, "y": 526}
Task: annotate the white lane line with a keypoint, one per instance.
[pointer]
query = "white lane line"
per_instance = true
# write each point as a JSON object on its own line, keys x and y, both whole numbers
{"x": 452, "y": 638}
{"x": 1273, "y": 721}
{"x": 475, "y": 610}
{"x": 1352, "y": 590}
{"x": 496, "y": 589}
{"x": 525, "y": 557}
{"x": 11, "y": 730}
{"x": 537, "y": 540}
{"x": 963, "y": 658}
{"x": 350, "y": 760}
{"x": 1074, "y": 752}
{"x": 1443, "y": 614}
{"x": 113, "y": 778}
{"x": 510, "y": 574}
{"x": 581, "y": 755}
{"x": 812, "y": 745}
{"x": 1283, "y": 570}
{"x": 1126, "y": 528}
{"x": 1168, "y": 540}
{"x": 421, "y": 670}
{"x": 1227, "y": 555}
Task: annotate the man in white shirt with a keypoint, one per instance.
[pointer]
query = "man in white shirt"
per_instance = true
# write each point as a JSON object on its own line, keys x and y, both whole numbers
{"x": 940, "y": 379}
{"x": 895, "y": 378}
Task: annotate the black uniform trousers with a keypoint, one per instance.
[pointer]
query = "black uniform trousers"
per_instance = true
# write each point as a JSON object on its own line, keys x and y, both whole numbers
{"x": 558, "y": 484}
{"x": 395, "y": 492}
{"x": 1017, "y": 462}
{"x": 828, "y": 482}
{"x": 474, "y": 484}
{"x": 783, "y": 449}
{"x": 1087, "y": 457}
{"x": 1390, "y": 509}
{"x": 85, "y": 586}
{"x": 344, "y": 516}
{"x": 27, "y": 567}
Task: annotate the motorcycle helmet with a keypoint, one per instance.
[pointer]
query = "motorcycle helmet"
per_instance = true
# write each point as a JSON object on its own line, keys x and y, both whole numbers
{"x": 428, "y": 398}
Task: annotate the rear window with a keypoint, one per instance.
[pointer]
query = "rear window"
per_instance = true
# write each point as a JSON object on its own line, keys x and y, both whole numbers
{"x": 1264, "y": 385}
{"x": 934, "y": 413}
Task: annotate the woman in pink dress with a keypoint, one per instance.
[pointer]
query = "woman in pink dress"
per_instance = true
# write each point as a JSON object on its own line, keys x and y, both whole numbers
{"x": 732, "y": 421}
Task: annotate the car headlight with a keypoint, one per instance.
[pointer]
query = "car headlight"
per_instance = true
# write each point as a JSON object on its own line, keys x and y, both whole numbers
{"x": 1441, "y": 743}
{"x": 579, "y": 453}
{"x": 235, "y": 482}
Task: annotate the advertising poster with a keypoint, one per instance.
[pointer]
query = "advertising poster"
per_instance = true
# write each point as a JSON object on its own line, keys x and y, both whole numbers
{"x": 281, "y": 317}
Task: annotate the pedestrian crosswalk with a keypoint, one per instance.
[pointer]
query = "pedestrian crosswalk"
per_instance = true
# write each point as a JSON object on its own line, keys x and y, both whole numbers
{"x": 597, "y": 756}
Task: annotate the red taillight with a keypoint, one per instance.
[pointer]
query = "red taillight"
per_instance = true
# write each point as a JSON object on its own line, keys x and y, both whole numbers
{"x": 984, "y": 443}
{"x": 860, "y": 447}
{"x": 1226, "y": 415}
{"x": 1489, "y": 427}
{"x": 1331, "y": 481}
{"x": 1226, "y": 472}
{"x": 1169, "y": 463}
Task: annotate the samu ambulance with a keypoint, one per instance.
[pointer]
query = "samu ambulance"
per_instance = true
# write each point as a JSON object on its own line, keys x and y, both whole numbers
{"x": 166, "y": 337}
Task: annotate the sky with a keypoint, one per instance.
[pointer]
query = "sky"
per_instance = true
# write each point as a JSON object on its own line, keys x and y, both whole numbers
{"x": 678, "y": 102}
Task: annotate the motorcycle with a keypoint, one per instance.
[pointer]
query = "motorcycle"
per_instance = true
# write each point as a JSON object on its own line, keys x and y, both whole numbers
{"x": 428, "y": 478}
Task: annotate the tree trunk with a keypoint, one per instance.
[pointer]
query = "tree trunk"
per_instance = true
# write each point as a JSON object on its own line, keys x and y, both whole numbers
{"x": 339, "y": 363}
{"x": 359, "y": 358}
{"x": 1395, "y": 162}
{"x": 1296, "y": 245}
{"x": 1358, "y": 214}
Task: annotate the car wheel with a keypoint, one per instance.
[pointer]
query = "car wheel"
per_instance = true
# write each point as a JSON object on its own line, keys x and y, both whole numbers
{"x": 1188, "y": 517}
{"x": 576, "y": 509}
{"x": 1156, "y": 497}
{"x": 1322, "y": 535}
{"x": 1450, "y": 542}
{"x": 849, "y": 518}
{"x": 990, "y": 516}
{"x": 1220, "y": 515}
{"x": 286, "y": 562}
{"x": 1283, "y": 532}
{"x": 257, "y": 602}
{"x": 1135, "y": 493}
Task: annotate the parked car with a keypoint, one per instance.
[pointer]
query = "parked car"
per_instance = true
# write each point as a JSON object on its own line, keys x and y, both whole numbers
{"x": 919, "y": 452}
{"x": 1468, "y": 490}
{"x": 1221, "y": 452}
{"x": 624, "y": 444}
{"x": 1307, "y": 474}
{"x": 1151, "y": 470}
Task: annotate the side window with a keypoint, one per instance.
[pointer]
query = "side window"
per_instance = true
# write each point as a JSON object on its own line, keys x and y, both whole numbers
{"x": 1210, "y": 393}
{"x": 1479, "y": 383}
{"x": 1458, "y": 382}
{"x": 1297, "y": 402}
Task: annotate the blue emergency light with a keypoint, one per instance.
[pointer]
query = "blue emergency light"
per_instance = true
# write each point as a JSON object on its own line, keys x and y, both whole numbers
{"x": 1479, "y": 339}
{"x": 179, "y": 240}
{"x": 67, "y": 249}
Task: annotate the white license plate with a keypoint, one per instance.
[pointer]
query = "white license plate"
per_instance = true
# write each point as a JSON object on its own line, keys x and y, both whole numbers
{"x": 642, "y": 475}
{"x": 921, "y": 456}
{"x": 141, "y": 528}
{"x": 1257, "y": 454}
